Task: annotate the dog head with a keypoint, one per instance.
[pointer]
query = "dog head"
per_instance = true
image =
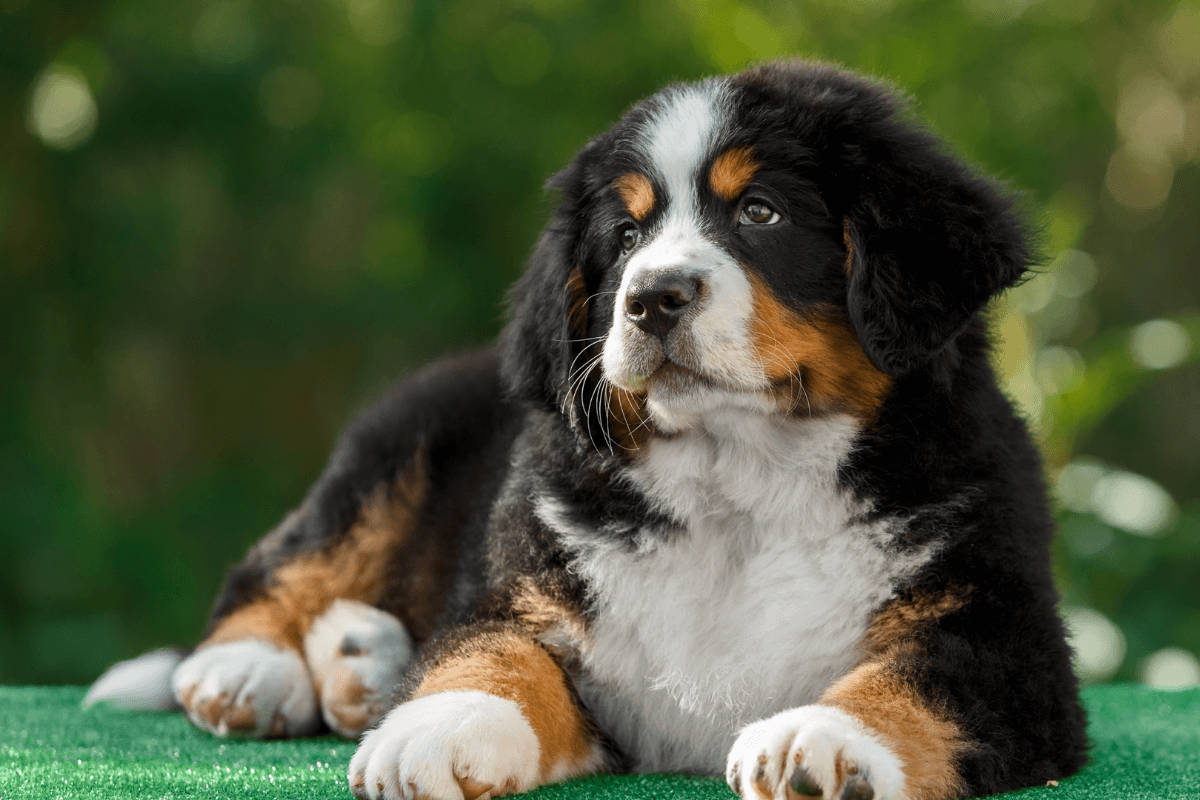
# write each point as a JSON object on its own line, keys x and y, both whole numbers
{"x": 787, "y": 240}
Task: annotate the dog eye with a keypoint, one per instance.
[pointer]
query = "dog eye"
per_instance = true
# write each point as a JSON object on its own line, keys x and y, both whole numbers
{"x": 629, "y": 237}
{"x": 758, "y": 213}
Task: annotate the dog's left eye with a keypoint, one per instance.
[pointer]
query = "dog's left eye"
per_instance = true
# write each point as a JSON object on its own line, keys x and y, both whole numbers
{"x": 630, "y": 237}
{"x": 757, "y": 212}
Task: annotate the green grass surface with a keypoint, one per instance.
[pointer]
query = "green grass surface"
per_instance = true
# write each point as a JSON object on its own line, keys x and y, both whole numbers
{"x": 1145, "y": 744}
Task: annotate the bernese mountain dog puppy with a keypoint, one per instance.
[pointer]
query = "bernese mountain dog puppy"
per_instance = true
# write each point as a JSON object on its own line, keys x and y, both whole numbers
{"x": 736, "y": 492}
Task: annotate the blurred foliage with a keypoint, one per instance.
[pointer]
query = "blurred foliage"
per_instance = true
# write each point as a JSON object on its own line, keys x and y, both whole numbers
{"x": 225, "y": 224}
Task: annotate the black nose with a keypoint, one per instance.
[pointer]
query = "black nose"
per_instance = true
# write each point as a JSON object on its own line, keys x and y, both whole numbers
{"x": 656, "y": 302}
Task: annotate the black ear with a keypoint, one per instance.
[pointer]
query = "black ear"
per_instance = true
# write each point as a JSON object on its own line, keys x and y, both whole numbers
{"x": 541, "y": 338}
{"x": 533, "y": 344}
{"x": 930, "y": 241}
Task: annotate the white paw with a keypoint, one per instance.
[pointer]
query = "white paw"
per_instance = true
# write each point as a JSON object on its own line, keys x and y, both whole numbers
{"x": 447, "y": 746}
{"x": 357, "y": 655}
{"x": 810, "y": 752}
{"x": 247, "y": 688}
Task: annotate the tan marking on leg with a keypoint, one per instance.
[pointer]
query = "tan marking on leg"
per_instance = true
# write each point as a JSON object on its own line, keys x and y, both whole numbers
{"x": 542, "y": 612}
{"x": 577, "y": 291}
{"x": 815, "y": 362}
{"x": 345, "y": 701}
{"x": 637, "y": 193}
{"x": 927, "y": 741}
{"x": 512, "y": 666}
{"x": 353, "y": 569}
{"x": 849, "y": 265}
{"x": 903, "y": 618}
{"x": 732, "y": 172}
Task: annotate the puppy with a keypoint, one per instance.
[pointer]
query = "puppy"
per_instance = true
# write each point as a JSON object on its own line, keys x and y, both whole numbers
{"x": 735, "y": 492}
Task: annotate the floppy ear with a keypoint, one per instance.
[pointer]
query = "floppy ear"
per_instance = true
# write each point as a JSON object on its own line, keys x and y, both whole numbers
{"x": 930, "y": 242}
{"x": 547, "y": 303}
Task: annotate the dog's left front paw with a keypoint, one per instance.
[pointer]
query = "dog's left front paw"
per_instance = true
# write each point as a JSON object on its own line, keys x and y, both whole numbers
{"x": 459, "y": 745}
{"x": 357, "y": 655}
{"x": 813, "y": 752}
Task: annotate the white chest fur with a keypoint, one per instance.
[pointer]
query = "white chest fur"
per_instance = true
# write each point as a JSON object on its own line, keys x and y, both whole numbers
{"x": 755, "y": 606}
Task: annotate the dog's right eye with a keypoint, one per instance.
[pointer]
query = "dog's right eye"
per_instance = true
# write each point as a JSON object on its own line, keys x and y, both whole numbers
{"x": 629, "y": 237}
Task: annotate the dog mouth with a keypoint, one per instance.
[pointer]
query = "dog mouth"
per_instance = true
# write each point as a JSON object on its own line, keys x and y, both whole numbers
{"x": 671, "y": 381}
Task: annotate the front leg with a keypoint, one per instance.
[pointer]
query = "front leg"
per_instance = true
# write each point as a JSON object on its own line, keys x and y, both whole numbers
{"x": 959, "y": 693}
{"x": 493, "y": 714}
{"x": 870, "y": 737}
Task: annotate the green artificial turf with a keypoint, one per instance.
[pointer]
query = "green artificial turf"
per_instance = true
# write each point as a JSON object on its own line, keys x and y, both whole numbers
{"x": 1145, "y": 744}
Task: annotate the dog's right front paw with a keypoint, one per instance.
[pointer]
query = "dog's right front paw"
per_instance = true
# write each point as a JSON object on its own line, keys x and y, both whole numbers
{"x": 247, "y": 688}
{"x": 447, "y": 746}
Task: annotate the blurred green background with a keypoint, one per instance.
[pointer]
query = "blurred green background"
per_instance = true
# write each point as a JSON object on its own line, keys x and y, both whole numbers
{"x": 226, "y": 224}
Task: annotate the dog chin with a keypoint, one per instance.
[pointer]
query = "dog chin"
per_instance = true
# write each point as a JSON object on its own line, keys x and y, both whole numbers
{"x": 678, "y": 398}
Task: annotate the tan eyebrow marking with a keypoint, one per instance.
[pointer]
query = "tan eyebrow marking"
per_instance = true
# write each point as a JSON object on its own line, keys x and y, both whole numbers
{"x": 732, "y": 172}
{"x": 636, "y": 193}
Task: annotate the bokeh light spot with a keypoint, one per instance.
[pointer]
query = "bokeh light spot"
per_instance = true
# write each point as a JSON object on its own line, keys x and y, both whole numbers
{"x": 1059, "y": 369}
{"x": 1075, "y": 273}
{"x": 1133, "y": 503}
{"x": 1159, "y": 344}
{"x": 1076, "y": 481}
{"x": 1150, "y": 118}
{"x": 1098, "y": 643}
{"x": 62, "y": 112}
{"x": 1179, "y": 43}
{"x": 1136, "y": 182}
{"x": 1171, "y": 668}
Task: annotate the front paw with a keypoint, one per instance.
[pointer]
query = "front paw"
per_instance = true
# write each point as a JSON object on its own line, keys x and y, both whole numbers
{"x": 447, "y": 746}
{"x": 813, "y": 752}
{"x": 357, "y": 655}
{"x": 247, "y": 688}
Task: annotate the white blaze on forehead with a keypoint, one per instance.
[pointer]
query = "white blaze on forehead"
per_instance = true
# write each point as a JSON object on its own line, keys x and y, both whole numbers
{"x": 680, "y": 136}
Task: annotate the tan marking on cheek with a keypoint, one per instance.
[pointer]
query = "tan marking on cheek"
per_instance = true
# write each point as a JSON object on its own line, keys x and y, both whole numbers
{"x": 816, "y": 362}
{"x": 927, "y": 742}
{"x": 637, "y": 193}
{"x": 902, "y": 619}
{"x": 732, "y": 172}
{"x": 628, "y": 419}
{"x": 354, "y": 569}
{"x": 849, "y": 242}
{"x": 577, "y": 292}
{"x": 514, "y": 667}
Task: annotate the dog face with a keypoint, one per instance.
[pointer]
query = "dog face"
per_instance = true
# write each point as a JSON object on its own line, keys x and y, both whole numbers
{"x": 783, "y": 241}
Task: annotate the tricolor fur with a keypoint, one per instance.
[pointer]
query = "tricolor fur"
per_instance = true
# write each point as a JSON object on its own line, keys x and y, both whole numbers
{"x": 735, "y": 493}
